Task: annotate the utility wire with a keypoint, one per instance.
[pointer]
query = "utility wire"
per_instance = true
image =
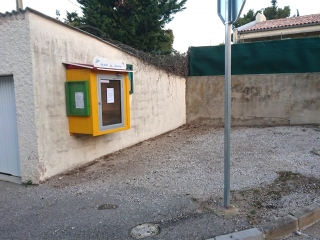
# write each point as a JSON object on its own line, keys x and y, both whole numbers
{"x": 74, "y": 4}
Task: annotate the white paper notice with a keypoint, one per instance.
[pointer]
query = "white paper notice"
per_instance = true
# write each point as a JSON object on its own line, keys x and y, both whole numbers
{"x": 79, "y": 97}
{"x": 110, "y": 95}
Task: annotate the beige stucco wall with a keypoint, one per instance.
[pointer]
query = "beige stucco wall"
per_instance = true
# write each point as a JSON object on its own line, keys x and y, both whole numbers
{"x": 157, "y": 105}
{"x": 276, "y": 99}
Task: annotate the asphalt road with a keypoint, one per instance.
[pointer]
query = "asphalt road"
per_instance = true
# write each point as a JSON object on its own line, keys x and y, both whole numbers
{"x": 175, "y": 181}
{"x": 45, "y": 212}
{"x": 311, "y": 233}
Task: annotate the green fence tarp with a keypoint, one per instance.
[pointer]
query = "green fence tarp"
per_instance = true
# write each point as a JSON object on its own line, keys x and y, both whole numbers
{"x": 269, "y": 57}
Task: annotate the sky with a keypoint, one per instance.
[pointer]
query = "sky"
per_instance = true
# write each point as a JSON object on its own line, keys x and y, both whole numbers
{"x": 198, "y": 25}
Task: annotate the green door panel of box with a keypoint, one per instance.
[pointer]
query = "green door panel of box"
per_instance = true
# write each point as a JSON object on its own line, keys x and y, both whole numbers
{"x": 130, "y": 67}
{"x": 77, "y": 98}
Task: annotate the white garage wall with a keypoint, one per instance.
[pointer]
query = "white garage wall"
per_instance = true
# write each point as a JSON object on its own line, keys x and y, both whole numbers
{"x": 15, "y": 59}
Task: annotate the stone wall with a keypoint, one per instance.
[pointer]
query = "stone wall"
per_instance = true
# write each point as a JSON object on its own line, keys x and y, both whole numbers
{"x": 257, "y": 100}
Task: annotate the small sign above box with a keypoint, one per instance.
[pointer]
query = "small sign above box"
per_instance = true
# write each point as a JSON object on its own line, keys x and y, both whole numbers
{"x": 100, "y": 62}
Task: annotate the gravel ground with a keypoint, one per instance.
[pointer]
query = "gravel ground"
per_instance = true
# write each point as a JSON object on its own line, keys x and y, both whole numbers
{"x": 176, "y": 181}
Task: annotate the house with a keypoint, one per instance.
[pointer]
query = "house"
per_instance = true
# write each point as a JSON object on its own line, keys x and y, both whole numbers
{"x": 52, "y": 96}
{"x": 263, "y": 30}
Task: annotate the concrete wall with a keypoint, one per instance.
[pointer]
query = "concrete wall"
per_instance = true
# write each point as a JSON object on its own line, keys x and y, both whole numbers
{"x": 259, "y": 100}
{"x": 15, "y": 59}
{"x": 32, "y": 49}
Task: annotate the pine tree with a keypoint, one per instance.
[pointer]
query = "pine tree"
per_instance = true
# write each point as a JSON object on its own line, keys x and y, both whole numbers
{"x": 274, "y": 12}
{"x": 137, "y": 23}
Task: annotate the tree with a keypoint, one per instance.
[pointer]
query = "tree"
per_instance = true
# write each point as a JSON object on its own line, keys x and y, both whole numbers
{"x": 137, "y": 23}
{"x": 249, "y": 17}
{"x": 73, "y": 19}
{"x": 272, "y": 12}
{"x": 166, "y": 44}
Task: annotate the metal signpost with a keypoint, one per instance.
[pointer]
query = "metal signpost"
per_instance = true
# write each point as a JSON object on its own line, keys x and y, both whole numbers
{"x": 228, "y": 11}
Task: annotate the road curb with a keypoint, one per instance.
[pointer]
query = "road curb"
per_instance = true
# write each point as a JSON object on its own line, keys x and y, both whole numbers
{"x": 286, "y": 226}
{"x": 281, "y": 227}
{"x": 249, "y": 234}
{"x": 308, "y": 215}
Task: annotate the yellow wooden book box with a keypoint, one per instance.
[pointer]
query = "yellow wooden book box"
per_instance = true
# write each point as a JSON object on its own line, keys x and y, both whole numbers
{"x": 97, "y": 99}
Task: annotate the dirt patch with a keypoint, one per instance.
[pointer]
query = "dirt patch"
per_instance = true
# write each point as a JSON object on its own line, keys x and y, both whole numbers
{"x": 282, "y": 197}
{"x": 289, "y": 192}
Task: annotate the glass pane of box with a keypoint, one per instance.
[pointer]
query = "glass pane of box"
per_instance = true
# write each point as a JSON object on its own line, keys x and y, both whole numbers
{"x": 111, "y": 102}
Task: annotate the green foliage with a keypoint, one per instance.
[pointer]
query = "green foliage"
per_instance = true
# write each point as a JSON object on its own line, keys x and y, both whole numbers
{"x": 27, "y": 183}
{"x": 166, "y": 44}
{"x": 249, "y": 17}
{"x": 272, "y": 12}
{"x": 73, "y": 19}
{"x": 253, "y": 212}
{"x": 137, "y": 23}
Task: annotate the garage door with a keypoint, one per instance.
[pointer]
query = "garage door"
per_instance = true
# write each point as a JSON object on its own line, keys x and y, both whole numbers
{"x": 9, "y": 151}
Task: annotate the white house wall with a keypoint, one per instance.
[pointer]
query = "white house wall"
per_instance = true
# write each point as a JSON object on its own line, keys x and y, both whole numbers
{"x": 15, "y": 59}
{"x": 157, "y": 105}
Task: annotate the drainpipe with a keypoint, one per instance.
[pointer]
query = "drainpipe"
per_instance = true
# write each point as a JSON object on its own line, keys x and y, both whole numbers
{"x": 235, "y": 36}
{"x": 19, "y": 5}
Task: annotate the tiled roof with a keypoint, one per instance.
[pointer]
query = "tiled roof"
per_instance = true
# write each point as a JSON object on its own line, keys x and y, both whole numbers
{"x": 284, "y": 23}
{"x": 13, "y": 12}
